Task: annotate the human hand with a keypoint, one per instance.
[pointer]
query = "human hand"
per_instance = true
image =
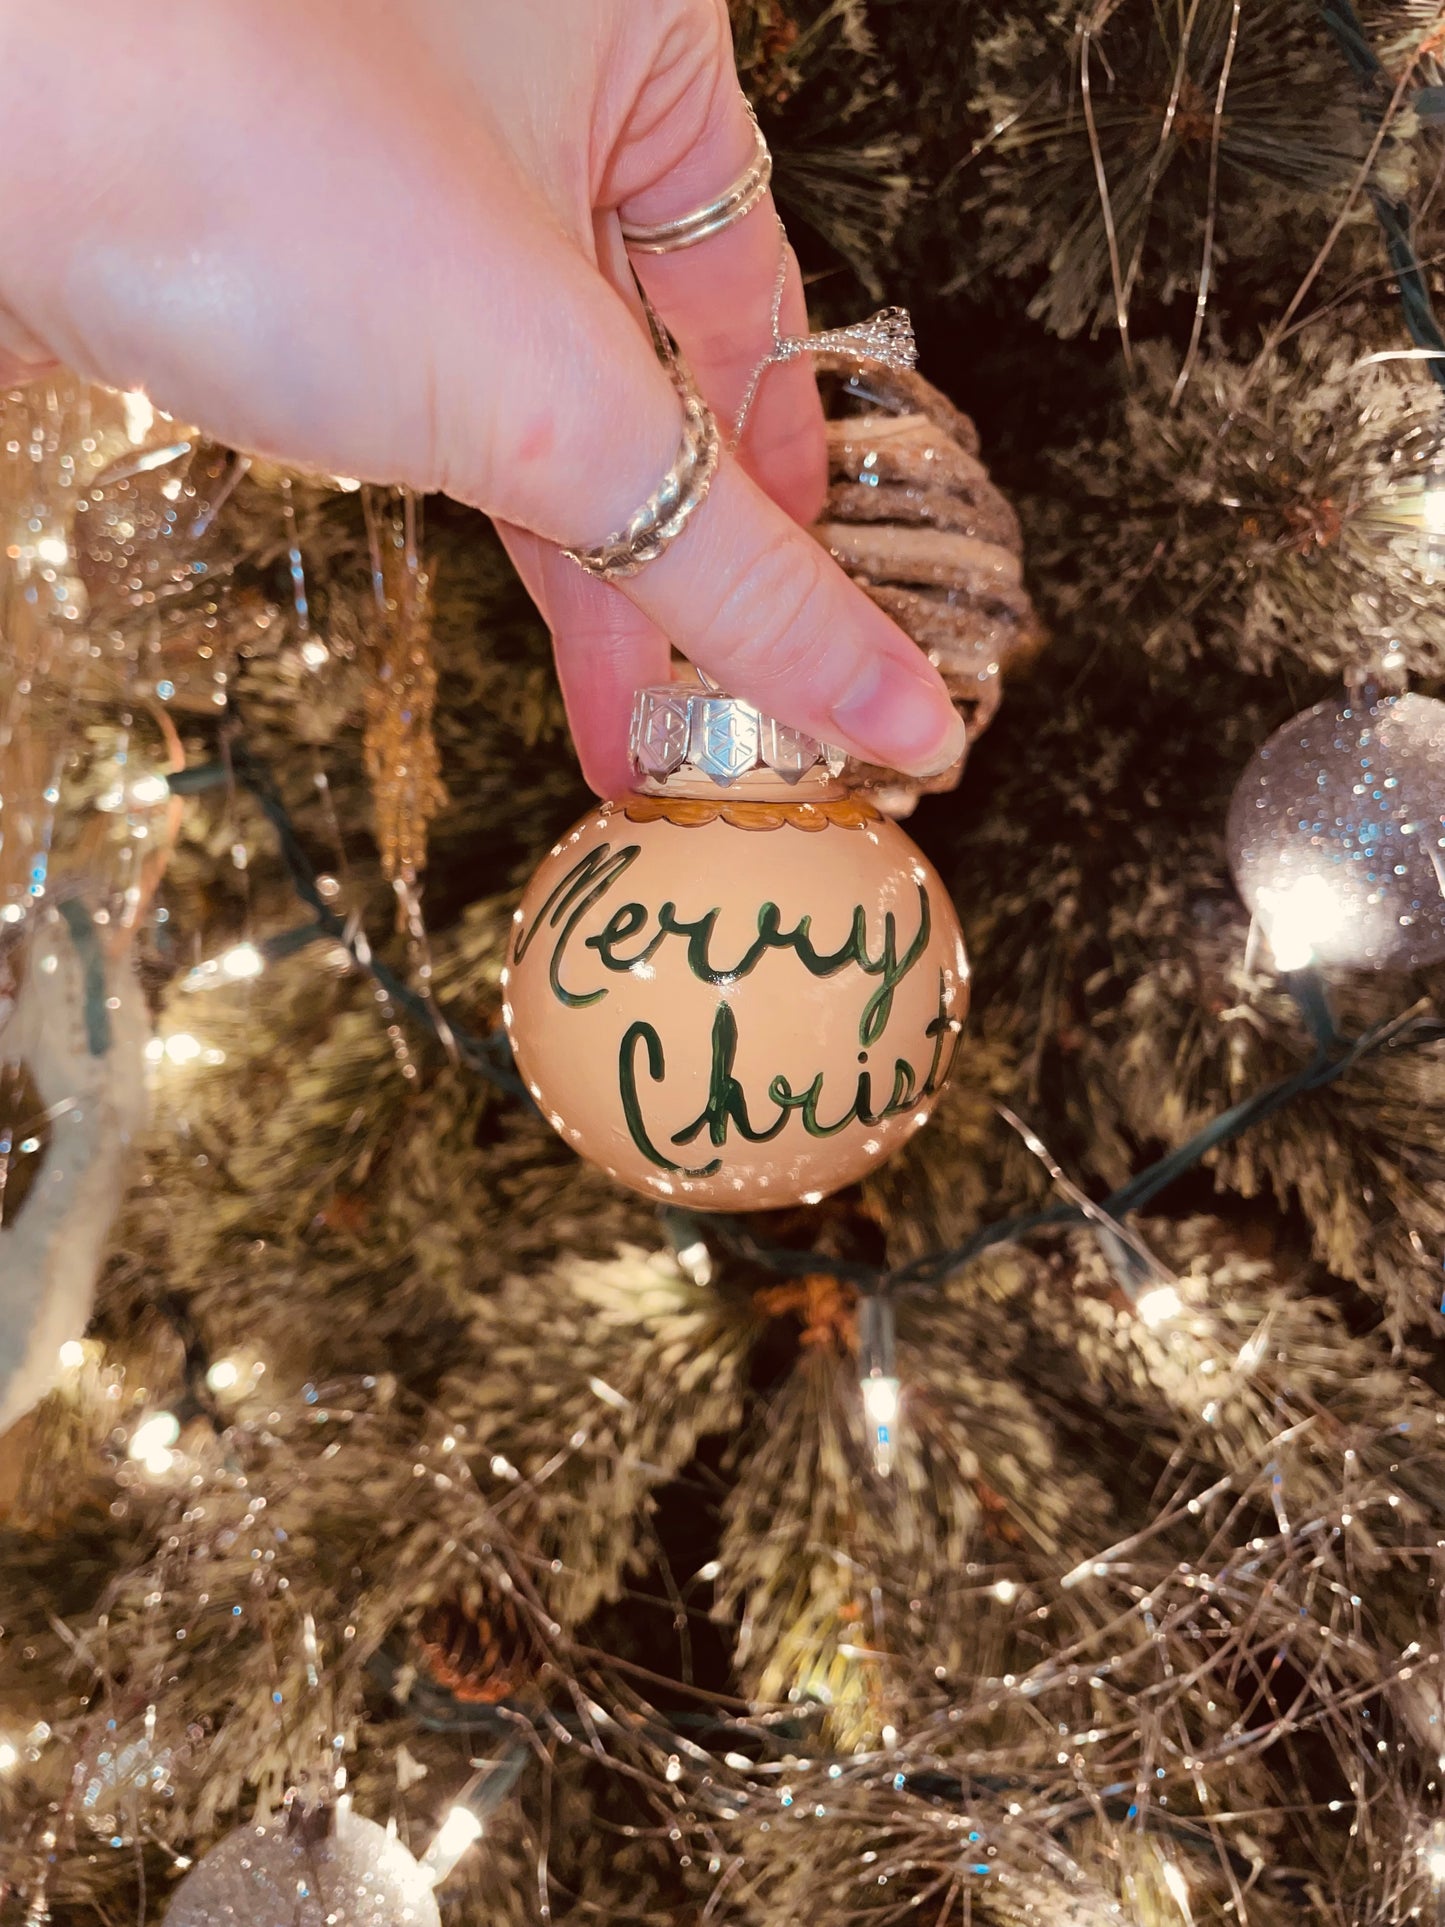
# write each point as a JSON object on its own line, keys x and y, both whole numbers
{"x": 385, "y": 242}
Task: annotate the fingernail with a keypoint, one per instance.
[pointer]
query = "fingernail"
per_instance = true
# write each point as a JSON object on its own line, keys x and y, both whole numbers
{"x": 898, "y": 719}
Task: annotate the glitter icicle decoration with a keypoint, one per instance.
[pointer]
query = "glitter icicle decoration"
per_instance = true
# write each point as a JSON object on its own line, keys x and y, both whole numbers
{"x": 402, "y": 764}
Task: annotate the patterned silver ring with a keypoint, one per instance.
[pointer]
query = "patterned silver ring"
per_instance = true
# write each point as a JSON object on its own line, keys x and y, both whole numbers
{"x": 662, "y": 518}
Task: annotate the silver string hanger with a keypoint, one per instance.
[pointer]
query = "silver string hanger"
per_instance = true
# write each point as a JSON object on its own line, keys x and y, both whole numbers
{"x": 885, "y": 337}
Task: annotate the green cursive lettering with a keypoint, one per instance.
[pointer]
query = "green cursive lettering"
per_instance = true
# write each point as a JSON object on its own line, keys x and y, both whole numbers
{"x": 591, "y": 877}
{"x": 645, "y": 1035}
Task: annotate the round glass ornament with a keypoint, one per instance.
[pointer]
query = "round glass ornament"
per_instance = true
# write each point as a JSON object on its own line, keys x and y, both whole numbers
{"x": 740, "y": 986}
{"x": 328, "y": 1867}
{"x": 1336, "y": 834}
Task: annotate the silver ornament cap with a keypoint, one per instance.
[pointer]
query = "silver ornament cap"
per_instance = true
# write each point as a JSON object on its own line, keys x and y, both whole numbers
{"x": 1337, "y": 835}
{"x": 683, "y": 730}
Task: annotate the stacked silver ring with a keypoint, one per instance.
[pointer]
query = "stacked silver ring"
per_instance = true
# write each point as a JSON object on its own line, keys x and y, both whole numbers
{"x": 666, "y": 237}
{"x": 683, "y": 489}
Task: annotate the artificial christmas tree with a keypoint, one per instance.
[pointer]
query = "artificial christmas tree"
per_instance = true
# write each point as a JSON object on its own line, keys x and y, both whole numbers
{"x": 1047, "y": 1529}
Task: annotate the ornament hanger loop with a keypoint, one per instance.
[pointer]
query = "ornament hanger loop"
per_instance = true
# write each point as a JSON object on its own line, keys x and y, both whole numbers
{"x": 885, "y": 337}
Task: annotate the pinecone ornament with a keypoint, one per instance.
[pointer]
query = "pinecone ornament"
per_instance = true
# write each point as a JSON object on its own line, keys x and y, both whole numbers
{"x": 477, "y": 1646}
{"x": 912, "y": 516}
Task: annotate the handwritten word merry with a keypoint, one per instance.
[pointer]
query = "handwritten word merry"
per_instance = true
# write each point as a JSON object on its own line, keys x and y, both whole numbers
{"x": 594, "y": 874}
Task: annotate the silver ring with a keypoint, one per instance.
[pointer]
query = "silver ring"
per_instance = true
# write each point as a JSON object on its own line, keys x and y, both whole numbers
{"x": 666, "y": 237}
{"x": 666, "y": 512}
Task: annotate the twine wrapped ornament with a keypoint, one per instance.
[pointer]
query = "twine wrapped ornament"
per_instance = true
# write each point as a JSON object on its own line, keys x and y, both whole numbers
{"x": 914, "y": 519}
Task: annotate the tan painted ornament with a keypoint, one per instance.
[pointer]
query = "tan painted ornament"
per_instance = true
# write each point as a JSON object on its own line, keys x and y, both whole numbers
{"x": 740, "y": 987}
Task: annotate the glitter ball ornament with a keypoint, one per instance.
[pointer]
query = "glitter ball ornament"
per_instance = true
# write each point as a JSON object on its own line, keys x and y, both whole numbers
{"x": 1337, "y": 835}
{"x": 740, "y": 986}
{"x": 327, "y": 1868}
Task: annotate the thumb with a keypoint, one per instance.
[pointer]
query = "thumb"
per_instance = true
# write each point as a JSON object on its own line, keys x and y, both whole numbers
{"x": 751, "y": 598}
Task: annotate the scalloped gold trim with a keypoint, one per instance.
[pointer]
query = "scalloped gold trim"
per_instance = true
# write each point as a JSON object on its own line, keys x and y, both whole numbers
{"x": 688, "y": 812}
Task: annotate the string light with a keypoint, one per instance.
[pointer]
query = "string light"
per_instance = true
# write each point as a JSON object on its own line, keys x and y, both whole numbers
{"x": 460, "y": 1830}
{"x": 223, "y": 1375}
{"x": 1158, "y": 1305}
{"x": 236, "y": 965}
{"x": 72, "y": 1355}
{"x": 1411, "y": 515}
{"x": 145, "y": 792}
{"x": 182, "y": 1048}
{"x": 151, "y": 1442}
{"x": 882, "y": 1393}
{"x": 9, "y": 1756}
{"x": 1432, "y": 527}
{"x": 1300, "y": 920}
{"x": 696, "y": 1260}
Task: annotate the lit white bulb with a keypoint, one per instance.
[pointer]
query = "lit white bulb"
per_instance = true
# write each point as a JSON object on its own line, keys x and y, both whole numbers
{"x": 147, "y": 791}
{"x": 72, "y": 1355}
{"x": 460, "y": 1830}
{"x": 53, "y": 549}
{"x": 9, "y": 1756}
{"x": 223, "y": 1375}
{"x": 314, "y": 653}
{"x": 1006, "y": 1590}
{"x": 696, "y": 1261}
{"x": 1301, "y": 919}
{"x": 152, "y": 1439}
{"x": 182, "y": 1048}
{"x": 1159, "y": 1304}
{"x": 1432, "y": 509}
{"x": 242, "y": 960}
{"x": 882, "y": 1397}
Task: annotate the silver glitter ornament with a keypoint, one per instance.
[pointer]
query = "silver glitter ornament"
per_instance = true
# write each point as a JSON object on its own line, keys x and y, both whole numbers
{"x": 1337, "y": 835}
{"x": 331, "y": 1869}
